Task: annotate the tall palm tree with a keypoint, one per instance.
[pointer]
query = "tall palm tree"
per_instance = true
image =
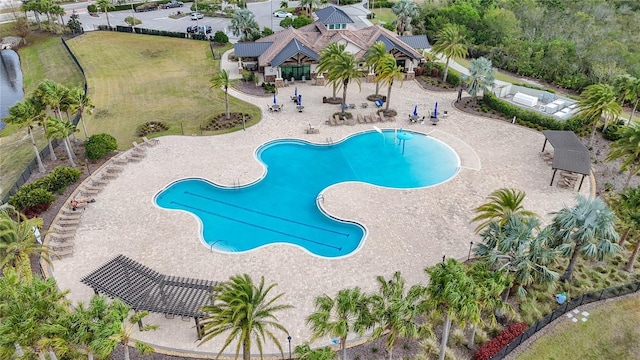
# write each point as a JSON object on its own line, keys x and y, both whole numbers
{"x": 598, "y": 102}
{"x": 518, "y": 247}
{"x": 627, "y": 88}
{"x": 33, "y": 6}
{"x": 219, "y": 80}
{"x": 627, "y": 148}
{"x": 389, "y": 71}
{"x": 78, "y": 103}
{"x": 480, "y": 77}
{"x": 53, "y": 95}
{"x": 106, "y": 5}
{"x": 587, "y": 230}
{"x": 244, "y": 24}
{"x": 502, "y": 204}
{"x": 451, "y": 293}
{"x": 450, "y": 43}
{"x": 18, "y": 243}
{"x": 405, "y": 11}
{"x": 120, "y": 332}
{"x": 327, "y": 60}
{"x": 344, "y": 71}
{"x": 347, "y": 313}
{"x": 394, "y": 310}
{"x": 61, "y": 129}
{"x": 374, "y": 57}
{"x": 242, "y": 309}
{"x": 309, "y": 5}
{"x": 28, "y": 113}
{"x": 626, "y": 205}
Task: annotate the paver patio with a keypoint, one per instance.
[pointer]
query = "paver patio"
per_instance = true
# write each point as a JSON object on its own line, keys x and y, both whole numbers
{"x": 408, "y": 230}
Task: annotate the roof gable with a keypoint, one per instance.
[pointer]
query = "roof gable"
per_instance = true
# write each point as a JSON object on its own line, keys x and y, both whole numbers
{"x": 293, "y": 47}
{"x": 333, "y": 15}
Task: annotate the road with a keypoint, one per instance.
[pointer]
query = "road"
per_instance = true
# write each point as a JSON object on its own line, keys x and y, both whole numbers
{"x": 159, "y": 19}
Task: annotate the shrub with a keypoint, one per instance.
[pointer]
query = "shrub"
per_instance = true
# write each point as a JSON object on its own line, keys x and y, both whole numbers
{"x": 486, "y": 351}
{"x": 266, "y": 31}
{"x": 269, "y": 88}
{"x": 31, "y": 200}
{"x": 60, "y": 178}
{"x": 301, "y": 21}
{"x": 151, "y": 127}
{"x": 130, "y": 20}
{"x": 99, "y": 145}
{"x": 529, "y": 117}
{"x": 612, "y": 133}
{"x": 220, "y": 37}
{"x": 389, "y": 26}
{"x": 92, "y": 9}
{"x": 286, "y": 23}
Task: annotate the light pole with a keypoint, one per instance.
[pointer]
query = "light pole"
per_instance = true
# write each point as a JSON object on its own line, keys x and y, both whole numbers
{"x": 197, "y": 21}
{"x": 271, "y": 3}
{"x": 470, "y": 245}
{"x": 289, "y": 338}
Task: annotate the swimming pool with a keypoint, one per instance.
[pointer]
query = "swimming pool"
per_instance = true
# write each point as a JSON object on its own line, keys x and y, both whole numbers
{"x": 282, "y": 206}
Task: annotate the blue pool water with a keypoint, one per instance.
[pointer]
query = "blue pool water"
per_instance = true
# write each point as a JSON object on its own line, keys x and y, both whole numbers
{"x": 281, "y": 207}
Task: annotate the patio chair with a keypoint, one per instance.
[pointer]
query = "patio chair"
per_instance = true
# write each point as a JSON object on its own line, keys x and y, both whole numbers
{"x": 361, "y": 120}
{"x": 337, "y": 119}
{"x": 332, "y": 121}
{"x": 150, "y": 142}
{"x": 352, "y": 106}
{"x": 364, "y": 105}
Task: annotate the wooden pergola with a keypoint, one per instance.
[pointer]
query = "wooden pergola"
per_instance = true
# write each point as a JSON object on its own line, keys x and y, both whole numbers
{"x": 144, "y": 289}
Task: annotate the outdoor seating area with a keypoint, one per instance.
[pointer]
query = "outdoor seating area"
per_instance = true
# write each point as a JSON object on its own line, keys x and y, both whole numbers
{"x": 275, "y": 107}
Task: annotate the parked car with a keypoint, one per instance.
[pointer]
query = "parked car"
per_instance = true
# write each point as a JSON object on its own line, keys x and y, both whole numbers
{"x": 196, "y": 16}
{"x": 192, "y": 29}
{"x": 282, "y": 14}
{"x": 173, "y": 4}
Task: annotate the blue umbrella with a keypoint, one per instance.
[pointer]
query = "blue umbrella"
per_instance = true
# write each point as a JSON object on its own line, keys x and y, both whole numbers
{"x": 274, "y": 99}
{"x": 415, "y": 110}
{"x": 435, "y": 111}
{"x": 295, "y": 92}
{"x": 299, "y": 99}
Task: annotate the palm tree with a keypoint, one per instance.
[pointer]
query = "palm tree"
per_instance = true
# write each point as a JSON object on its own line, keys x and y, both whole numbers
{"x": 627, "y": 208}
{"x": 489, "y": 284}
{"x": 343, "y": 71}
{"x": 502, "y": 204}
{"x": 519, "y": 247}
{"x": 61, "y": 129}
{"x": 105, "y": 5}
{"x": 18, "y": 243}
{"x": 119, "y": 332}
{"x": 28, "y": 113}
{"x": 222, "y": 79}
{"x": 480, "y": 77}
{"x": 627, "y": 88}
{"x": 596, "y": 102}
{"x": 244, "y": 24}
{"x": 309, "y": 4}
{"x": 242, "y": 309}
{"x": 627, "y": 148}
{"x": 94, "y": 326}
{"x": 451, "y": 293}
{"x": 389, "y": 71}
{"x": 51, "y": 94}
{"x": 450, "y": 43}
{"x": 31, "y": 313}
{"x": 33, "y": 6}
{"x": 338, "y": 317}
{"x": 78, "y": 103}
{"x": 374, "y": 57}
{"x": 327, "y": 60}
{"x": 587, "y": 230}
{"x": 284, "y": 4}
{"x": 305, "y": 352}
{"x": 394, "y": 310}
{"x": 405, "y": 11}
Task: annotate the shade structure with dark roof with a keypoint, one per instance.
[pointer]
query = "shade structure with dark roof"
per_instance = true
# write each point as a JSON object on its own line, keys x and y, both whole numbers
{"x": 333, "y": 15}
{"x": 569, "y": 153}
{"x": 142, "y": 288}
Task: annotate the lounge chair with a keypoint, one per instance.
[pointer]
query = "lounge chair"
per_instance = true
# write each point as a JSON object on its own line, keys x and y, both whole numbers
{"x": 150, "y": 142}
{"x": 337, "y": 119}
{"x": 120, "y": 160}
{"x": 332, "y": 121}
{"x": 106, "y": 175}
{"x": 61, "y": 246}
{"x": 137, "y": 154}
{"x": 63, "y": 229}
{"x": 361, "y": 120}
{"x": 67, "y": 217}
{"x": 138, "y": 147}
{"x": 97, "y": 182}
{"x": 61, "y": 237}
{"x": 64, "y": 252}
{"x": 65, "y": 223}
{"x": 88, "y": 192}
{"x": 114, "y": 168}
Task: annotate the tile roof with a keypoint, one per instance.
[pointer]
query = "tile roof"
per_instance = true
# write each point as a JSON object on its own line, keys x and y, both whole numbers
{"x": 333, "y": 15}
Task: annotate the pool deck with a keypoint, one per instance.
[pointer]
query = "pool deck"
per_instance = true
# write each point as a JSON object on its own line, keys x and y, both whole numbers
{"x": 408, "y": 230}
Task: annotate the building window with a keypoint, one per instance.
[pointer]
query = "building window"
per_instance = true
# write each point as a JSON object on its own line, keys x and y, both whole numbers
{"x": 343, "y": 26}
{"x": 330, "y": 26}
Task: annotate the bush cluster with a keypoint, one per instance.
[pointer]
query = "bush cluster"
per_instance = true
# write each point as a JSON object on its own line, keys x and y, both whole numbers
{"x": 525, "y": 117}
{"x": 434, "y": 69}
{"x": 612, "y": 133}
{"x": 99, "y": 145}
{"x": 151, "y": 127}
{"x": 269, "y": 88}
{"x": 92, "y": 9}
{"x": 486, "y": 351}
{"x": 32, "y": 199}
{"x": 220, "y": 37}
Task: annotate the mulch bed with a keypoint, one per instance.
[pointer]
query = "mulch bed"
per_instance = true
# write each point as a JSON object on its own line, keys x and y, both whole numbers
{"x": 250, "y": 88}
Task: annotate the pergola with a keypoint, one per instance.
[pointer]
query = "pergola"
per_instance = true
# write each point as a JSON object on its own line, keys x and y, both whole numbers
{"x": 144, "y": 289}
{"x": 569, "y": 153}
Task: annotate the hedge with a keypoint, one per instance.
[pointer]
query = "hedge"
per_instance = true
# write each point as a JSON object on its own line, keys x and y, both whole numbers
{"x": 99, "y": 145}
{"x": 31, "y": 201}
{"x": 526, "y": 117}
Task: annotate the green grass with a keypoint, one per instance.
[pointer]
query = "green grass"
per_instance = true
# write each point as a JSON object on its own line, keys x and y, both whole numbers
{"x": 383, "y": 15}
{"x": 611, "y": 332}
{"x": 43, "y": 58}
{"x": 134, "y": 79}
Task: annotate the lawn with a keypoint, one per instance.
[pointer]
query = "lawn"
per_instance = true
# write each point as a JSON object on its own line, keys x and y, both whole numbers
{"x": 44, "y": 58}
{"x": 134, "y": 79}
{"x": 611, "y": 332}
{"x": 383, "y": 15}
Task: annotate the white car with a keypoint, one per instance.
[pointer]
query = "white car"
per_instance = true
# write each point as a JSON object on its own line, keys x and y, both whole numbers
{"x": 282, "y": 14}
{"x": 196, "y": 16}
